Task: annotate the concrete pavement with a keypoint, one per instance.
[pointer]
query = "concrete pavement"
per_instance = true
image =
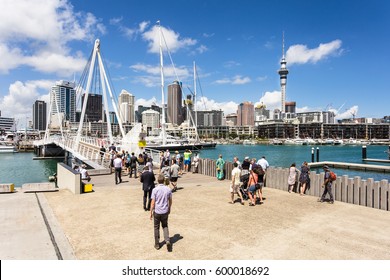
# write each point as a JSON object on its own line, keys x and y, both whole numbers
{"x": 110, "y": 224}
{"x": 29, "y": 230}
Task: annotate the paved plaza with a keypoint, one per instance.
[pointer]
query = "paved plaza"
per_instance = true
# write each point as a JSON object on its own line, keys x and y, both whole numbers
{"x": 110, "y": 224}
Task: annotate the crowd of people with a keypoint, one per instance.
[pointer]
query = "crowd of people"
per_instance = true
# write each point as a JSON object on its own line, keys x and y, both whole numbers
{"x": 248, "y": 179}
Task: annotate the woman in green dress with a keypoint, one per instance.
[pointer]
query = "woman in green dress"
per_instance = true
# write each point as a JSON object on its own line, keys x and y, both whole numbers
{"x": 220, "y": 165}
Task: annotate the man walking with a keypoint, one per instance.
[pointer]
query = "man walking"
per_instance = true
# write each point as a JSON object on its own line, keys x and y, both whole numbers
{"x": 118, "y": 168}
{"x": 235, "y": 184}
{"x": 147, "y": 179}
{"x": 174, "y": 174}
{"x": 328, "y": 186}
{"x": 133, "y": 165}
{"x": 160, "y": 210}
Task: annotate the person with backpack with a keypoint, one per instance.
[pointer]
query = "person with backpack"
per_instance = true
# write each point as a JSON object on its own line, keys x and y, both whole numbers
{"x": 328, "y": 179}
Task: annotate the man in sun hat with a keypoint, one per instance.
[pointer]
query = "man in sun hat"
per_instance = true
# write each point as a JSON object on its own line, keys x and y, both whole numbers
{"x": 245, "y": 166}
{"x": 328, "y": 186}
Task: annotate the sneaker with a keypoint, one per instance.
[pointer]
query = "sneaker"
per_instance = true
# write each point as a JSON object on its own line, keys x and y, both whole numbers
{"x": 169, "y": 246}
{"x": 331, "y": 202}
{"x": 320, "y": 200}
{"x": 157, "y": 246}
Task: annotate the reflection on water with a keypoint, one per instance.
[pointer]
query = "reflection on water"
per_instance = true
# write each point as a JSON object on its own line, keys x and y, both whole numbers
{"x": 20, "y": 168}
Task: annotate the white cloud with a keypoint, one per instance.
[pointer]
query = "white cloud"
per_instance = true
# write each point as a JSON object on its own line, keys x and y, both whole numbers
{"x": 209, "y": 104}
{"x": 170, "y": 38}
{"x": 207, "y": 35}
{"x": 153, "y": 74}
{"x": 348, "y": 114}
{"x": 301, "y": 54}
{"x": 262, "y": 78}
{"x": 61, "y": 64}
{"x": 202, "y": 49}
{"x": 231, "y": 64}
{"x": 271, "y": 99}
{"x": 35, "y": 33}
{"x": 236, "y": 80}
{"x": 21, "y": 96}
{"x": 147, "y": 102}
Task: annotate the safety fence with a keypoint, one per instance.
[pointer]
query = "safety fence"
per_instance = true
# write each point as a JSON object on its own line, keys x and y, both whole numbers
{"x": 364, "y": 192}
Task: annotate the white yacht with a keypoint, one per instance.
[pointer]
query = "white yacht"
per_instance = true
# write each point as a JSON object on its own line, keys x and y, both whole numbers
{"x": 7, "y": 143}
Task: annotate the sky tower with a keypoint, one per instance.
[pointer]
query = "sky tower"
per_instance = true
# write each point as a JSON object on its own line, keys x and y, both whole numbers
{"x": 283, "y": 78}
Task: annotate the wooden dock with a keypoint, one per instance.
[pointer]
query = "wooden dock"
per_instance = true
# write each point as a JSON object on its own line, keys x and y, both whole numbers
{"x": 353, "y": 166}
{"x": 376, "y": 160}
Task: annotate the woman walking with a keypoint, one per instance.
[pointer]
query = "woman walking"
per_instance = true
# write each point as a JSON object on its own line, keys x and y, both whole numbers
{"x": 304, "y": 177}
{"x": 220, "y": 163}
{"x": 292, "y": 177}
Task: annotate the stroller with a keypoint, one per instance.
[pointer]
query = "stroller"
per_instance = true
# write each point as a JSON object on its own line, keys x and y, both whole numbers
{"x": 244, "y": 186}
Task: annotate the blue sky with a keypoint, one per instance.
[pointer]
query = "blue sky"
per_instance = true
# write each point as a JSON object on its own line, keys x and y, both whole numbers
{"x": 337, "y": 51}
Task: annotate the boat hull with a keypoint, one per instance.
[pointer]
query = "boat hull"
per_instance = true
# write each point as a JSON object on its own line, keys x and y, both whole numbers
{"x": 182, "y": 147}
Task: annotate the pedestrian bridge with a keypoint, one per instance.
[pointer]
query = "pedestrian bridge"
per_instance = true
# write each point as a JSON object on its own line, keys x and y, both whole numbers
{"x": 88, "y": 149}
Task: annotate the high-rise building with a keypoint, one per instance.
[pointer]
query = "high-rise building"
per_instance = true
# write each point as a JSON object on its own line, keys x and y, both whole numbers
{"x": 174, "y": 110}
{"x": 63, "y": 97}
{"x": 210, "y": 118}
{"x": 246, "y": 114}
{"x": 94, "y": 108}
{"x": 142, "y": 108}
{"x": 290, "y": 107}
{"x": 126, "y": 107}
{"x": 7, "y": 124}
{"x": 283, "y": 79}
{"x": 39, "y": 115}
{"x": 261, "y": 113}
{"x": 151, "y": 119}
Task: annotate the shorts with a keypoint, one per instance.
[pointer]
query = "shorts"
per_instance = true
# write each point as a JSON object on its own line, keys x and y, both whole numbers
{"x": 252, "y": 189}
{"x": 187, "y": 162}
{"x": 173, "y": 179}
{"x": 234, "y": 188}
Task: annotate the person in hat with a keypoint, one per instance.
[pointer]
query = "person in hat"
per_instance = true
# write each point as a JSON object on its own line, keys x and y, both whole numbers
{"x": 245, "y": 166}
{"x": 327, "y": 185}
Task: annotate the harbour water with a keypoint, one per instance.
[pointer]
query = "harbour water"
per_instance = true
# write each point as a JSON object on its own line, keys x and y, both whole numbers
{"x": 20, "y": 168}
{"x": 285, "y": 155}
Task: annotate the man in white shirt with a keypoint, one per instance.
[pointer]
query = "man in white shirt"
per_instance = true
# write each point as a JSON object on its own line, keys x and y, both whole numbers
{"x": 84, "y": 173}
{"x": 118, "y": 169}
{"x": 235, "y": 185}
{"x": 264, "y": 164}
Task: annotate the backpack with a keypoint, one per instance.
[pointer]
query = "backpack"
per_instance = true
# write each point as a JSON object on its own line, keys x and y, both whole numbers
{"x": 332, "y": 176}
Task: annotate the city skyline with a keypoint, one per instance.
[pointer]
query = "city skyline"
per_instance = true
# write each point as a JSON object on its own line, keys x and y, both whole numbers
{"x": 336, "y": 51}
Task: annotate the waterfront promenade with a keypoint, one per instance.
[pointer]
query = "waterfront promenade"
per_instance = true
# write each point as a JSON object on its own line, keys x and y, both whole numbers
{"x": 110, "y": 224}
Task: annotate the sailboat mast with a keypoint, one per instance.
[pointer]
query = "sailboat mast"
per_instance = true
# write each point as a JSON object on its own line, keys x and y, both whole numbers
{"x": 196, "y": 111}
{"x": 162, "y": 88}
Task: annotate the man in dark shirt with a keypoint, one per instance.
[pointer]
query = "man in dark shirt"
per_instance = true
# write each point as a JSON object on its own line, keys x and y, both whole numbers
{"x": 133, "y": 165}
{"x": 147, "y": 179}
